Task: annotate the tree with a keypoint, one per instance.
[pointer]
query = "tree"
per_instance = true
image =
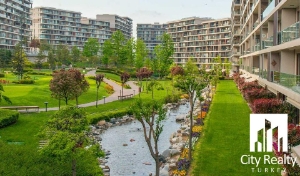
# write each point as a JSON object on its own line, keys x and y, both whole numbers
{"x": 124, "y": 78}
{"x": 144, "y": 73}
{"x": 227, "y": 67}
{"x": 44, "y": 47}
{"x": 5, "y": 58}
{"x": 118, "y": 42}
{"x": 150, "y": 114}
{"x": 153, "y": 84}
{"x": 64, "y": 86}
{"x": 176, "y": 71}
{"x": 51, "y": 59}
{"x": 217, "y": 70}
{"x": 148, "y": 63}
{"x": 107, "y": 52}
{"x": 164, "y": 53}
{"x": 99, "y": 79}
{"x": 35, "y": 43}
{"x": 91, "y": 47}
{"x": 192, "y": 83}
{"x": 66, "y": 137}
{"x": 141, "y": 54}
{"x": 75, "y": 54}
{"x": 5, "y": 98}
{"x": 130, "y": 47}
{"x": 81, "y": 82}
{"x": 63, "y": 54}
{"x": 19, "y": 60}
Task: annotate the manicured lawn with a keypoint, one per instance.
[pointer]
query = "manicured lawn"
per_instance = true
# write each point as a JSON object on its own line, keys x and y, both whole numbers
{"x": 111, "y": 76}
{"x": 226, "y": 137}
{"x": 38, "y": 93}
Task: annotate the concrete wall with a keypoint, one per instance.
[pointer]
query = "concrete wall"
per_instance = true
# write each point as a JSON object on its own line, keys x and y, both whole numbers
{"x": 275, "y": 57}
{"x": 270, "y": 29}
{"x": 287, "y": 64}
{"x": 289, "y": 16}
{"x": 109, "y": 18}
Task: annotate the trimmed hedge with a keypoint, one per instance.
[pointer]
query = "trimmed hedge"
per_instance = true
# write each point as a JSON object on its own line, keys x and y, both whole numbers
{"x": 2, "y": 75}
{"x": 24, "y": 81}
{"x": 96, "y": 117}
{"x": 8, "y": 117}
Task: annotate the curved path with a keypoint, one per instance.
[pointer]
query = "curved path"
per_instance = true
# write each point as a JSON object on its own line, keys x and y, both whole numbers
{"x": 113, "y": 97}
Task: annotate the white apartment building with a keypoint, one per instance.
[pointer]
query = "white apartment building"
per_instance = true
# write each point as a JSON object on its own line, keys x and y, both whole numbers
{"x": 14, "y": 22}
{"x": 200, "y": 38}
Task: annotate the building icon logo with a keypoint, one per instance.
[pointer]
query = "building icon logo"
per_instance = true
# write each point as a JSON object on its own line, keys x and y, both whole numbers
{"x": 259, "y": 133}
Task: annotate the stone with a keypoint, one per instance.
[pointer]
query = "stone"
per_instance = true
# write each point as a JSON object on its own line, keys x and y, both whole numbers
{"x": 174, "y": 152}
{"x": 125, "y": 144}
{"x": 164, "y": 171}
{"x": 113, "y": 120}
{"x": 180, "y": 118}
{"x": 132, "y": 140}
{"x": 101, "y": 123}
{"x": 147, "y": 163}
{"x": 183, "y": 127}
{"x": 166, "y": 153}
{"x": 174, "y": 140}
{"x": 173, "y": 166}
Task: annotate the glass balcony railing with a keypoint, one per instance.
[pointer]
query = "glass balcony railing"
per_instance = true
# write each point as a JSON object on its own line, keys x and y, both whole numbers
{"x": 268, "y": 10}
{"x": 289, "y": 34}
{"x": 267, "y": 43}
{"x": 289, "y": 81}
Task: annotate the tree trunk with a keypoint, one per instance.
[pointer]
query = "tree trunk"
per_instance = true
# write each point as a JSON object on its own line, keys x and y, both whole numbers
{"x": 97, "y": 98}
{"x": 77, "y": 101}
{"x": 152, "y": 92}
{"x": 74, "y": 167}
{"x": 157, "y": 166}
{"x": 66, "y": 100}
{"x": 58, "y": 104}
{"x": 147, "y": 85}
{"x": 191, "y": 127}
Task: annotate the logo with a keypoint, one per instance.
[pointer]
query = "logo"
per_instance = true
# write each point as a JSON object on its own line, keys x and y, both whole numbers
{"x": 259, "y": 133}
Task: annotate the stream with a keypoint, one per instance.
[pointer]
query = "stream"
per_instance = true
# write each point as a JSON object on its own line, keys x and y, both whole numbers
{"x": 133, "y": 160}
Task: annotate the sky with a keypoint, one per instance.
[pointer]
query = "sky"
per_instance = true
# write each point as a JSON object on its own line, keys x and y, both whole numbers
{"x": 144, "y": 11}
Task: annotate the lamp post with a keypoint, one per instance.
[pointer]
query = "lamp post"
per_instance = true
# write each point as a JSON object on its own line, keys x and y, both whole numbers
{"x": 104, "y": 98}
{"x": 46, "y": 103}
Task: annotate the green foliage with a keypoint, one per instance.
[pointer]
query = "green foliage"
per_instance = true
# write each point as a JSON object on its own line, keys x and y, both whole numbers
{"x": 8, "y": 117}
{"x": 75, "y": 54}
{"x": 19, "y": 60}
{"x": 24, "y": 81}
{"x": 107, "y": 52}
{"x": 2, "y": 75}
{"x": 141, "y": 54}
{"x": 172, "y": 98}
{"x": 63, "y": 54}
{"x": 96, "y": 117}
{"x": 5, "y": 58}
{"x": 3, "y": 97}
{"x": 91, "y": 48}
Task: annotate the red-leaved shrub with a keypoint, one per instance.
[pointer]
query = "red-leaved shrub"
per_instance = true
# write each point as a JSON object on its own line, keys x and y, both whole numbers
{"x": 265, "y": 106}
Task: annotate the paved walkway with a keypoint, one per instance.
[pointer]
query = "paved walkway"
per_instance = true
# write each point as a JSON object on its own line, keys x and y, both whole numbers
{"x": 113, "y": 97}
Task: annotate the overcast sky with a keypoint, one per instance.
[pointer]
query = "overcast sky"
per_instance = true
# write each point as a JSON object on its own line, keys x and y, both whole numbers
{"x": 144, "y": 11}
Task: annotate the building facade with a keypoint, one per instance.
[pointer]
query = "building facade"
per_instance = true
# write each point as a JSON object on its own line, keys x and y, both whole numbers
{"x": 200, "y": 38}
{"x": 58, "y": 26}
{"x": 14, "y": 22}
{"x": 270, "y": 45}
{"x": 150, "y": 34}
{"x": 235, "y": 32}
{"x": 124, "y": 24}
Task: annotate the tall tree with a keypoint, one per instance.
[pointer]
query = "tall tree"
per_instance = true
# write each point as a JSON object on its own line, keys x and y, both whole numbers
{"x": 5, "y": 58}
{"x": 107, "y": 52}
{"x": 19, "y": 60}
{"x": 118, "y": 42}
{"x": 192, "y": 84}
{"x": 164, "y": 53}
{"x": 3, "y": 97}
{"x": 151, "y": 116}
{"x": 51, "y": 59}
{"x": 44, "y": 48}
{"x": 66, "y": 137}
{"x": 99, "y": 79}
{"x": 35, "y": 43}
{"x": 141, "y": 54}
{"x": 63, "y": 54}
{"x": 91, "y": 47}
{"x": 75, "y": 54}
{"x": 130, "y": 47}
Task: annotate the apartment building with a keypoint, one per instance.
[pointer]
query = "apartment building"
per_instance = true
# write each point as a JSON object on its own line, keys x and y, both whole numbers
{"x": 150, "y": 34}
{"x": 235, "y": 32}
{"x": 270, "y": 46}
{"x": 14, "y": 22}
{"x": 124, "y": 24}
{"x": 200, "y": 38}
{"x": 58, "y": 26}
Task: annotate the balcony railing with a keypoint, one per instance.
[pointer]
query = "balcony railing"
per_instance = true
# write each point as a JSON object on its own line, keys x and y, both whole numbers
{"x": 289, "y": 81}
{"x": 289, "y": 34}
{"x": 268, "y": 10}
{"x": 267, "y": 43}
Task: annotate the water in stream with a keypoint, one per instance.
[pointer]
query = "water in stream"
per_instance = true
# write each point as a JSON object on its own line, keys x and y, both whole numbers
{"x": 129, "y": 160}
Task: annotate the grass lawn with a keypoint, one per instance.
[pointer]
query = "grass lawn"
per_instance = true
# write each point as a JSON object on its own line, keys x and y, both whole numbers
{"x": 111, "y": 76}
{"x": 226, "y": 137}
{"x": 38, "y": 93}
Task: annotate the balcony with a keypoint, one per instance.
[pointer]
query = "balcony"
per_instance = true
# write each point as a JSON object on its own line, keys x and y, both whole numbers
{"x": 289, "y": 81}
{"x": 289, "y": 34}
{"x": 268, "y": 10}
{"x": 267, "y": 43}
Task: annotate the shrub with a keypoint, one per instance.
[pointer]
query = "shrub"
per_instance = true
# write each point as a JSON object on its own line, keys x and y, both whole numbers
{"x": 221, "y": 78}
{"x": 8, "y": 117}
{"x": 265, "y": 106}
{"x": 27, "y": 70}
{"x": 37, "y": 73}
{"x": 172, "y": 98}
{"x": 2, "y": 81}
{"x": 258, "y": 93}
{"x": 126, "y": 86}
{"x": 92, "y": 77}
{"x": 95, "y": 118}
{"x": 109, "y": 89}
{"x": 2, "y": 75}
{"x": 24, "y": 81}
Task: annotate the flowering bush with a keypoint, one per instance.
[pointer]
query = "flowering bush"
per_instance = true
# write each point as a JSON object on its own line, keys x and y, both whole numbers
{"x": 183, "y": 164}
{"x": 184, "y": 153}
{"x": 264, "y": 106}
{"x": 179, "y": 173}
{"x": 257, "y": 93}
{"x": 197, "y": 129}
{"x": 184, "y": 96}
{"x": 4, "y": 81}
